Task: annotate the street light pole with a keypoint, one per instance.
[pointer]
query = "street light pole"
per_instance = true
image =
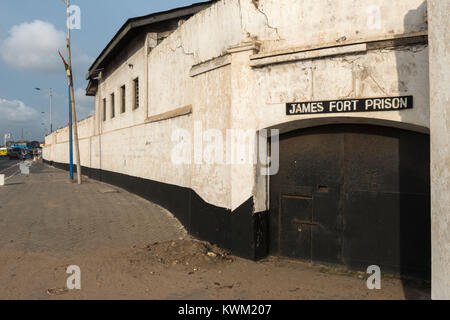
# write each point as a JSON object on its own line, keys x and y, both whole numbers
{"x": 50, "y": 93}
{"x": 70, "y": 137}
{"x": 51, "y": 112}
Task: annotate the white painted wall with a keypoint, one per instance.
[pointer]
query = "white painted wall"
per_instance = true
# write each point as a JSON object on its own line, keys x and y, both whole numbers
{"x": 241, "y": 97}
{"x": 286, "y": 24}
{"x": 440, "y": 146}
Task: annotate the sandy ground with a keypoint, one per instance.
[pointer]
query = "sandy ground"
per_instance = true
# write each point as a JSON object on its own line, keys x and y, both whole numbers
{"x": 129, "y": 248}
{"x": 183, "y": 270}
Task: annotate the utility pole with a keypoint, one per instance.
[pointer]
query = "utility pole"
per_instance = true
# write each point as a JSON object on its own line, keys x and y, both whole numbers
{"x": 50, "y": 92}
{"x": 72, "y": 93}
{"x": 51, "y": 113}
{"x": 70, "y": 138}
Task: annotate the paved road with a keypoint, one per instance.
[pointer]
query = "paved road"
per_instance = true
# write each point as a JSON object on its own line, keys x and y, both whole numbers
{"x": 46, "y": 213}
{"x": 4, "y": 164}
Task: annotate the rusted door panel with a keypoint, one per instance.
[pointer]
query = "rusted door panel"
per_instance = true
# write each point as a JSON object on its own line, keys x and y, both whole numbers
{"x": 366, "y": 233}
{"x": 388, "y": 232}
{"x": 327, "y": 235}
{"x": 295, "y": 226}
{"x": 415, "y": 235}
{"x": 387, "y": 208}
{"x": 309, "y": 165}
{"x": 386, "y": 159}
{"x": 369, "y": 189}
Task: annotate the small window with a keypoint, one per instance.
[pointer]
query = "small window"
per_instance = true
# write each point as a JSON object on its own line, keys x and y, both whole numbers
{"x": 136, "y": 93}
{"x": 122, "y": 93}
{"x": 104, "y": 109}
{"x": 113, "y": 108}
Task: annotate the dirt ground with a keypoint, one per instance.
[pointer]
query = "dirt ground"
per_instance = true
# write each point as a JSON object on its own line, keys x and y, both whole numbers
{"x": 184, "y": 269}
{"x": 130, "y": 248}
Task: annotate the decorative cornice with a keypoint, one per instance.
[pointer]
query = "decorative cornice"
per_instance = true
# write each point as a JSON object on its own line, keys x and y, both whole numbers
{"x": 254, "y": 46}
{"x": 170, "y": 114}
{"x": 212, "y": 64}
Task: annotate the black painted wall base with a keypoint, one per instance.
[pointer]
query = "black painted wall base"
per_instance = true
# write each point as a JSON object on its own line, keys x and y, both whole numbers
{"x": 241, "y": 231}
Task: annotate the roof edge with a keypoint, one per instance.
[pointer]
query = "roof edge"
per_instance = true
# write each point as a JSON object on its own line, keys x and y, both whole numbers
{"x": 141, "y": 21}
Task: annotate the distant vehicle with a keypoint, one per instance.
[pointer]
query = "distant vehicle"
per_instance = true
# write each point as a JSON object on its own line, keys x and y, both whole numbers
{"x": 3, "y": 152}
{"x": 22, "y": 149}
{"x": 14, "y": 153}
{"x": 17, "y": 145}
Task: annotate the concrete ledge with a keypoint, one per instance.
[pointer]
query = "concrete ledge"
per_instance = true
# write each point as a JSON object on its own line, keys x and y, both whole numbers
{"x": 253, "y": 45}
{"x": 213, "y": 64}
{"x": 170, "y": 114}
{"x": 257, "y": 62}
{"x": 299, "y": 54}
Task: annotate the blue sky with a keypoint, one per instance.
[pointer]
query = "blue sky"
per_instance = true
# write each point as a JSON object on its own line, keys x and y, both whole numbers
{"x": 31, "y": 32}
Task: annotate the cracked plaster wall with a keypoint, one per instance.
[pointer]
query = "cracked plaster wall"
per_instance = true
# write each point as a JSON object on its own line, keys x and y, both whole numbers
{"x": 237, "y": 96}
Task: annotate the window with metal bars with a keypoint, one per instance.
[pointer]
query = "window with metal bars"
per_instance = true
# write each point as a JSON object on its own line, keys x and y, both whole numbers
{"x": 104, "y": 109}
{"x": 113, "y": 107}
{"x": 123, "y": 96}
{"x": 136, "y": 93}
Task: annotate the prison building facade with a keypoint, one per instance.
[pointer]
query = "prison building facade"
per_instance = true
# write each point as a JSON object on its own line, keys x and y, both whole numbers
{"x": 338, "y": 93}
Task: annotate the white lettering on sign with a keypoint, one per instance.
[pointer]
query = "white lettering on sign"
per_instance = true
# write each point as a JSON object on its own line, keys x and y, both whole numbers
{"x": 386, "y": 104}
{"x": 343, "y": 106}
{"x": 310, "y": 107}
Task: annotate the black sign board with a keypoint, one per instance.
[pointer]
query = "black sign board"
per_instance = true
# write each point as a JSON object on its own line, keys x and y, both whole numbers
{"x": 350, "y": 105}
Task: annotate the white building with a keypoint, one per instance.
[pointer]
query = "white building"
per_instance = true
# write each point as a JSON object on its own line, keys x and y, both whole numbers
{"x": 344, "y": 82}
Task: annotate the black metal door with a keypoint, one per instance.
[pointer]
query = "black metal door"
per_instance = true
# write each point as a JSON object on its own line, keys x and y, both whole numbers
{"x": 387, "y": 200}
{"x": 355, "y": 195}
{"x": 296, "y": 226}
{"x": 310, "y": 173}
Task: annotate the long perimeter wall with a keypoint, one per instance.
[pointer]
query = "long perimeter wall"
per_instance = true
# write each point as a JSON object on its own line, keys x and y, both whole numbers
{"x": 235, "y": 65}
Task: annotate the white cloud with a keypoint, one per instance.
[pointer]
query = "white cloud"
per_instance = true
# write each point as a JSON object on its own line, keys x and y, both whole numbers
{"x": 34, "y": 46}
{"x": 16, "y": 118}
{"x": 16, "y": 111}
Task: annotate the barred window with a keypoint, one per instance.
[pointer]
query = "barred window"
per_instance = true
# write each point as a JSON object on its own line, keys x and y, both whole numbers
{"x": 136, "y": 93}
{"x": 123, "y": 92}
{"x": 113, "y": 108}
{"x": 104, "y": 109}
